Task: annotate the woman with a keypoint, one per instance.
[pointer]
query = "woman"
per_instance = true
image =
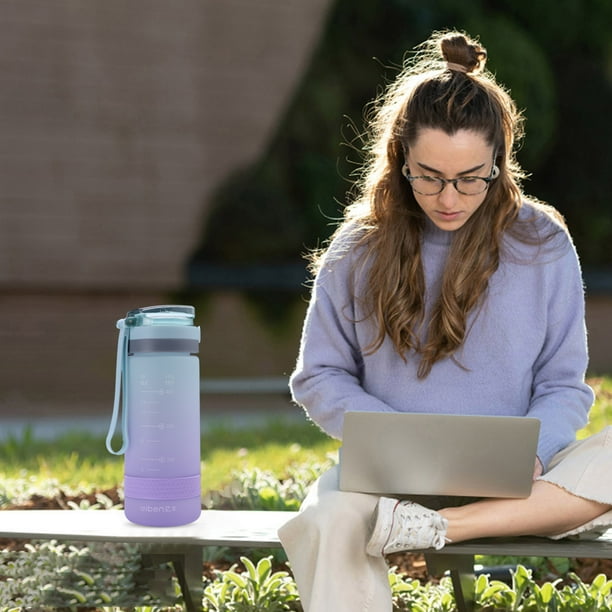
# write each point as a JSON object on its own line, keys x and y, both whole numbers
{"x": 447, "y": 290}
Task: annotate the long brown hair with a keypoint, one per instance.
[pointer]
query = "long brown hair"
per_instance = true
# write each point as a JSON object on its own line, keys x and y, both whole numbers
{"x": 444, "y": 87}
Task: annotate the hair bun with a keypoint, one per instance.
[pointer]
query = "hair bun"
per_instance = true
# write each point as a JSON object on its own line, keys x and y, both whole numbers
{"x": 462, "y": 54}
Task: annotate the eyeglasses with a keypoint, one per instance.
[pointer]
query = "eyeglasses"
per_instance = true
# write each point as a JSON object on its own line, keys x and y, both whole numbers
{"x": 466, "y": 185}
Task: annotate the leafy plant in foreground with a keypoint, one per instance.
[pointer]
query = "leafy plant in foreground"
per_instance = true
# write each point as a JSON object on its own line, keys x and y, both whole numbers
{"x": 525, "y": 595}
{"x": 257, "y": 589}
{"x": 410, "y": 595}
{"x": 59, "y": 575}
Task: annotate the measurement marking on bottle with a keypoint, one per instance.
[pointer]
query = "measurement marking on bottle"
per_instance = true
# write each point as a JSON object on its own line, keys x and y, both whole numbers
{"x": 159, "y": 459}
{"x": 160, "y": 426}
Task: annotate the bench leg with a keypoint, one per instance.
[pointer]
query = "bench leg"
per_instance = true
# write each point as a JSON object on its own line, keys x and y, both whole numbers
{"x": 187, "y": 563}
{"x": 461, "y": 568}
{"x": 188, "y": 569}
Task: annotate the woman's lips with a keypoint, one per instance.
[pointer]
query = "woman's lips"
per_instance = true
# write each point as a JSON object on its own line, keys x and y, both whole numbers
{"x": 448, "y": 216}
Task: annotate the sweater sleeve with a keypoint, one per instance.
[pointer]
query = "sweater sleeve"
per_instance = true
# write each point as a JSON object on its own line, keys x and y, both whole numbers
{"x": 327, "y": 379}
{"x": 561, "y": 399}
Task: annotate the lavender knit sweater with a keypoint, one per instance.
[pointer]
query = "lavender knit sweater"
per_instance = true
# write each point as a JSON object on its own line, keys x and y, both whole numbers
{"x": 525, "y": 353}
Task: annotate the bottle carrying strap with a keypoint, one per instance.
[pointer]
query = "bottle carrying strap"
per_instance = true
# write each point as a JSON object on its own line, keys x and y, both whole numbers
{"x": 120, "y": 392}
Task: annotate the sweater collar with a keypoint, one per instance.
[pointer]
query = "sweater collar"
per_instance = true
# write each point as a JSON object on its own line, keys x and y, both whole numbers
{"x": 432, "y": 234}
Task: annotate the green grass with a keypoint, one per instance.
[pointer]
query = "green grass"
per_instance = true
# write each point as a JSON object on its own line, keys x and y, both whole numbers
{"x": 78, "y": 461}
{"x": 274, "y": 448}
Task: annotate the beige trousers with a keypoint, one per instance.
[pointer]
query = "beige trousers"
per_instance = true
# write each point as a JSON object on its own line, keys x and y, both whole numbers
{"x": 326, "y": 542}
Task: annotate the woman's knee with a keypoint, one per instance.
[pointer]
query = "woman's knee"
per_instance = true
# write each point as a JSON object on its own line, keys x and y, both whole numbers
{"x": 338, "y": 511}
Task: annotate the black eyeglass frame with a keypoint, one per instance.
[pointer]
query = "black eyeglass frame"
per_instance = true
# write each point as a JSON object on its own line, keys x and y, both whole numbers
{"x": 443, "y": 181}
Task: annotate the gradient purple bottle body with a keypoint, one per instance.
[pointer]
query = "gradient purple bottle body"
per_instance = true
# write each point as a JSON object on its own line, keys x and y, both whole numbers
{"x": 160, "y": 388}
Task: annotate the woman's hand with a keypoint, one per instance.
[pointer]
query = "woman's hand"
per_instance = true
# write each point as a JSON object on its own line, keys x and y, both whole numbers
{"x": 538, "y": 470}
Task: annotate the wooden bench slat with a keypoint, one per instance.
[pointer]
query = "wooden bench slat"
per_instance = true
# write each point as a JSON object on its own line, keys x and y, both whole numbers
{"x": 534, "y": 547}
{"x": 249, "y": 528}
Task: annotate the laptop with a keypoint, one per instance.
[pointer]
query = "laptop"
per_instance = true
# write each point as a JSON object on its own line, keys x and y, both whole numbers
{"x": 403, "y": 454}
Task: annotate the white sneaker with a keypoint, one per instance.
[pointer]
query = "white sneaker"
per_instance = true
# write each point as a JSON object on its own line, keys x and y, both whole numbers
{"x": 404, "y": 525}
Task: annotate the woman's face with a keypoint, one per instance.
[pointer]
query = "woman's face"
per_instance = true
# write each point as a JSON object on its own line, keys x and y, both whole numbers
{"x": 437, "y": 154}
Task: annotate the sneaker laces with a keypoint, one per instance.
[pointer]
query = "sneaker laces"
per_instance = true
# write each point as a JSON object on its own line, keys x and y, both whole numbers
{"x": 421, "y": 524}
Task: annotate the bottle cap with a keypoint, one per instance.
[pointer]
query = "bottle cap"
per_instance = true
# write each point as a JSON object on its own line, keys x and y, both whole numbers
{"x": 160, "y": 315}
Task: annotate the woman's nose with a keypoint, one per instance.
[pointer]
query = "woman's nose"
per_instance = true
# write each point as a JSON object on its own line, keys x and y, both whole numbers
{"x": 448, "y": 196}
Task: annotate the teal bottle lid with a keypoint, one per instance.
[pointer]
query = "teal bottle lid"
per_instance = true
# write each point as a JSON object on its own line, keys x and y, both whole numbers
{"x": 160, "y": 315}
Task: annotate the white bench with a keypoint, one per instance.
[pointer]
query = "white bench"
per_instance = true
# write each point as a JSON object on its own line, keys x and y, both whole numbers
{"x": 258, "y": 529}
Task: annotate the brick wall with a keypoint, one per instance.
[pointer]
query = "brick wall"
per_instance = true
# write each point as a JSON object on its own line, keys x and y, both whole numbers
{"x": 117, "y": 120}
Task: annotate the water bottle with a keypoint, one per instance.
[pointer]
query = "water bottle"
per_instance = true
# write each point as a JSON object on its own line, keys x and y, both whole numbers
{"x": 157, "y": 384}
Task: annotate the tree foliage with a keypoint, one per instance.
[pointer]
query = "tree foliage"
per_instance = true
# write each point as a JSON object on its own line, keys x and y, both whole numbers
{"x": 554, "y": 55}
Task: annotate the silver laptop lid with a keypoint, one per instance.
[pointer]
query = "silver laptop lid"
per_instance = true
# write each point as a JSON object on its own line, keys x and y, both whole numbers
{"x": 391, "y": 453}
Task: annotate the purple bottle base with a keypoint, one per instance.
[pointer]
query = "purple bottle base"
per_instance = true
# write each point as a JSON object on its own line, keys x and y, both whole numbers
{"x": 166, "y": 513}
